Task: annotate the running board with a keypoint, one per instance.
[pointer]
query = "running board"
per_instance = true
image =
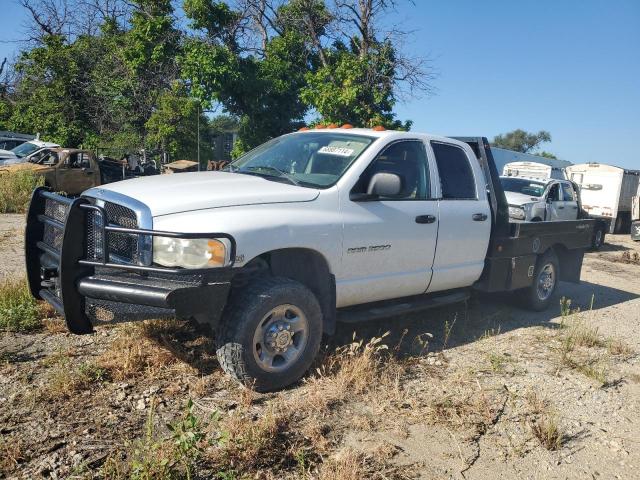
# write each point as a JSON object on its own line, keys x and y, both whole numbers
{"x": 378, "y": 310}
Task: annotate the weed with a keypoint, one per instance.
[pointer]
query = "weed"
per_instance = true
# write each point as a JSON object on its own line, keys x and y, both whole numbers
{"x": 548, "y": 432}
{"x": 629, "y": 257}
{"x": 19, "y": 311}
{"x": 16, "y": 188}
{"x": 12, "y": 453}
{"x": 187, "y": 437}
{"x": 618, "y": 348}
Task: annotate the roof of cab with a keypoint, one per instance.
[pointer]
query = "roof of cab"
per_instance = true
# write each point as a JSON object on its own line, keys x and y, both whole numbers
{"x": 368, "y": 132}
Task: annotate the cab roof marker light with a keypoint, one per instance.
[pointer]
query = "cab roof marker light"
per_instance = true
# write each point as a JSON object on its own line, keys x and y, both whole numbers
{"x": 304, "y": 129}
{"x": 347, "y": 126}
{"x": 378, "y": 128}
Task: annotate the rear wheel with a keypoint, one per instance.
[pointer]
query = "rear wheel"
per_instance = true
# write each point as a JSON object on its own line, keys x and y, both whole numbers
{"x": 598, "y": 239}
{"x": 270, "y": 333}
{"x": 546, "y": 275}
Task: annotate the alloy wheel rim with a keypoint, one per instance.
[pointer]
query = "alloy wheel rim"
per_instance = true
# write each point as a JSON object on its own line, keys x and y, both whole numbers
{"x": 280, "y": 338}
{"x": 546, "y": 281}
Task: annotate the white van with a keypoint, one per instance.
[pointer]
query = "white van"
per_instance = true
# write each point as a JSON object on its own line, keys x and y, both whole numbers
{"x": 503, "y": 157}
{"x": 606, "y": 192}
{"x": 535, "y": 170}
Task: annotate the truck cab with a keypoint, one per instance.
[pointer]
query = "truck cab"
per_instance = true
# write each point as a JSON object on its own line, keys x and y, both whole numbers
{"x": 305, "y": 230}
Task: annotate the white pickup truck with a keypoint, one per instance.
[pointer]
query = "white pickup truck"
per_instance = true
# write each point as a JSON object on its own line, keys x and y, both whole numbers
{"x": 308, "y": 229}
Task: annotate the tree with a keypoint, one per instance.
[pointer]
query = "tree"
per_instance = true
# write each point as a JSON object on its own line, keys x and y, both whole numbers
{"x": 521, "y": 141}
{"x": 547, "y": 155}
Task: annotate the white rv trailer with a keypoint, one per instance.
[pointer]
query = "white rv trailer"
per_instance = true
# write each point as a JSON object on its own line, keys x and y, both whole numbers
{"x": 503, "y": 156}
{"x": 606, "y": 192}
{"x": 635, "y": 216}
{"x": 535, "y": 170}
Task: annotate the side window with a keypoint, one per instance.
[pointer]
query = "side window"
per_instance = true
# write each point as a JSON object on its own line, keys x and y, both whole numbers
{"x": 554, "y": 193}
{"x": 567, "y": 193}
{"x": 456, "y": 177}
{"x": 408, "y": 160}
{"x": 78, "y": 160}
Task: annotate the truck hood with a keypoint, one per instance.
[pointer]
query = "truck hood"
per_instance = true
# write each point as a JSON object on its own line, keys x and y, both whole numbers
{"x": 515, "y": 198}
{"x": 5, "y": 154}
{"x": 182, "y": 192}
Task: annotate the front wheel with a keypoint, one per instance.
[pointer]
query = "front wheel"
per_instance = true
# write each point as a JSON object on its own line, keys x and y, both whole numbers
{"x": 270, "y": 333}
{"x": 546, "y": 275}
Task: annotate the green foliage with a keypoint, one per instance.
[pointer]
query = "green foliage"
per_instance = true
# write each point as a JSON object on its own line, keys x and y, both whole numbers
{"x": 16, "y": 188}
{"x": 521, "y": 141}
{"x": 173, "y": 126}
{"x": 137, "y": 81}
{"x": 356, "y": 89}
{"x": 547, "y": 155}
{"x": 18, "y": 309}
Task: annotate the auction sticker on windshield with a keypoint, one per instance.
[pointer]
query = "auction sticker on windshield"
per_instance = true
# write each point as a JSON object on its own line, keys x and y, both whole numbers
{"x": 343, "y": 152}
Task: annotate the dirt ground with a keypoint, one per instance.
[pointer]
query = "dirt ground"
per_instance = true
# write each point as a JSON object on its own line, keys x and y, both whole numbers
{"x": 483, "y": 386}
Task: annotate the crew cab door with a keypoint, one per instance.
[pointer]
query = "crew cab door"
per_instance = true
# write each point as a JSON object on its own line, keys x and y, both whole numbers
{"x": 389, "y": 243}
{"x": 555, "y": 209}
{"x": 570, "y": 199}
{"x": 76, "y": 173}
{"x": 465, "y": 217}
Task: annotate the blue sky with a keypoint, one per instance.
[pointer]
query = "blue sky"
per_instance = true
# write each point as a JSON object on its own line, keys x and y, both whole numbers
{"x": 571, "y": 67}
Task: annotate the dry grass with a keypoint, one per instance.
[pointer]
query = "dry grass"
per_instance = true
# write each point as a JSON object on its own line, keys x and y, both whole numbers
{"x": 548, "y": 432}
{"x": 349, "y": 464}
{"x": 16, "y": 188}
{"x": 134, "y": 353}
{"x": 65, "y": 379}
{"x": 12, "y": 453}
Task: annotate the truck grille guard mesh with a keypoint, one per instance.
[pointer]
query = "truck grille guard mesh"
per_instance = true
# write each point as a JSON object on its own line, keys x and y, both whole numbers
{"x": 67, "y": 239}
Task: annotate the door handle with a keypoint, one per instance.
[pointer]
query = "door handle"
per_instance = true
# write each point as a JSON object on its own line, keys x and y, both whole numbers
{"x": 425, "y": 218}
{"x": 479, "y": 217}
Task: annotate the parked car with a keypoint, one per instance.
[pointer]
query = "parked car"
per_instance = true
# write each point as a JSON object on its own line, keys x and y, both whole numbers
{"x": 10, "y": 140}
{"x": 64, "y": 169}
{"x": 606, "y": 192}
{"x": 27, "y": 151}
{"x": 547, "y": 200}
{"x": 308, "y": 229}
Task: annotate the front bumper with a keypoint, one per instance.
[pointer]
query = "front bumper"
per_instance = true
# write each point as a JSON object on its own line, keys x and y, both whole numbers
{"x": 88, "y": 290}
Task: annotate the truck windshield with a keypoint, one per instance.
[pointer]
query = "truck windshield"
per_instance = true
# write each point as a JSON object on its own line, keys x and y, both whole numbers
{"x": 522, "y": 185}
{"x": 312, "y": 159}
{"x": 25, "y": 149}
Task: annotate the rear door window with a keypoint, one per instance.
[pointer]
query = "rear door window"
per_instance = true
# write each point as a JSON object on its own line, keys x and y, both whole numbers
{"x": 456, "y": 176}
{"x": 568, "y": 193}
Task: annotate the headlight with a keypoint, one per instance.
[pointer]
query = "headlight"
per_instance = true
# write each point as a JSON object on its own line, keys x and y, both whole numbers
{"x": 516, "y": 212}
{"x": 191, "y": 253}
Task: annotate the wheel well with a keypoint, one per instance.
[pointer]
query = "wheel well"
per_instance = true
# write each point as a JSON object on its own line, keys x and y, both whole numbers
{"x": 308, "y": 267}
{"x": 536, "y": 219}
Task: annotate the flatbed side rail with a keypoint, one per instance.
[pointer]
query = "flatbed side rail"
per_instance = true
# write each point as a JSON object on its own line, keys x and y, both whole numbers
{"x": 56, "y": 252}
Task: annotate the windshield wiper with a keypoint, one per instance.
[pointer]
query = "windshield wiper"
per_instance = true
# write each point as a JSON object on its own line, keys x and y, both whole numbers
{"x": 279, "y": 173}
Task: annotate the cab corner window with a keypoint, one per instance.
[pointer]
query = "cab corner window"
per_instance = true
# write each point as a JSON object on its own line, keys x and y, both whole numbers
{"x": 456, "y": 177}
{"x": 407, "y": 160}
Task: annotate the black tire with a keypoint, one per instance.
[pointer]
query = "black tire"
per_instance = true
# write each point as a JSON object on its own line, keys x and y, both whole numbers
{"x": 247, "y": 313}
{"x": 536, "y": 219}
{"x": 598, "y": 239}
{"x": 531, "y": 296}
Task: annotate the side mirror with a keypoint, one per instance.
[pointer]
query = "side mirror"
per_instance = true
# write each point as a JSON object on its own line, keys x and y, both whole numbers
{"x": 385, "y": 185}
{"x": 381, "y": 185}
